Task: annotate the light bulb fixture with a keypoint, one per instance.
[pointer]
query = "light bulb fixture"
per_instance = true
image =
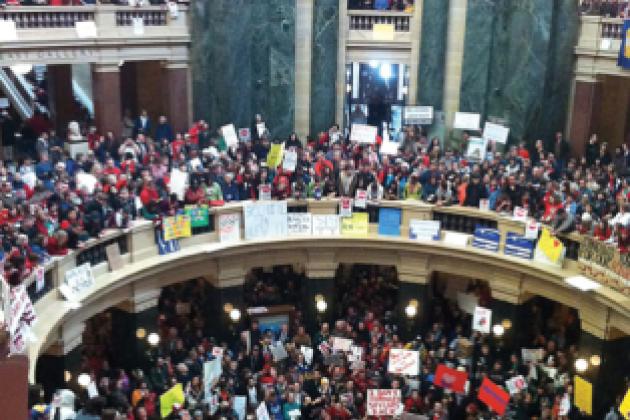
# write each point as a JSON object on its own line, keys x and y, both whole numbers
{"x": 67, "y": 376}
{"x": 153, "y": 339}
{"x": 373, "y": 64}
{"x": 507, "y": 324}
{"x": 84, "y": 380}
{"x": 414, "y": 303}
{"x": 581, "y": 365}
{"x": 498, "y": 330}
{"x": 321, "y": 305}
{"x": 141, "y": 333}
{"x": 596, "y": 360}
{"x": 385, "y": 71}
{"x": 227, "y": 308}
{"x": 348, "y": 88}
{"x": 411, "y": 311}
{"x": 235, "y": 315}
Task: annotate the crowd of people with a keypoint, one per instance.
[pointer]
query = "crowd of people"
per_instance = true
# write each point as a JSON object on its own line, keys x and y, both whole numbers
{"x": 332, "y": 383}
{"x": 51, "y": 202}
{"x": 606, "y": 8}
{"x": 396, "y": 5}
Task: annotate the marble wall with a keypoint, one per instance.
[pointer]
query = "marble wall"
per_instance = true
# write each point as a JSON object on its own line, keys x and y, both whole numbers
{"x": 518, "y": 63}
{"x": 433, "y": 53}
{"x": 324, "y": 64}
{"x": 243, "y": 62}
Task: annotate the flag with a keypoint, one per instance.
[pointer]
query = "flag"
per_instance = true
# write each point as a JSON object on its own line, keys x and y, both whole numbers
{"x": 493, "y": 396}
{"x": 550, "y": 246}
{"x": 624, "y": 52}
{"x": 165, "y": 247}
{"x": 449, "y": 378}
{"x": 171, "y": 397}
{"x": 583, "y": 395}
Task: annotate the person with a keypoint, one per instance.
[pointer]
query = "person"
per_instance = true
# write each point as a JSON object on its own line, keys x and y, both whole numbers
{"x": 164, "y": 130}
{"x": 142, "y": 124}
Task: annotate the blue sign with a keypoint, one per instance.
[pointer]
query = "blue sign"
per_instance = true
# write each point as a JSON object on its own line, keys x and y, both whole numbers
{"x": 624, "y": 53}
{"x": 389, "y": 221}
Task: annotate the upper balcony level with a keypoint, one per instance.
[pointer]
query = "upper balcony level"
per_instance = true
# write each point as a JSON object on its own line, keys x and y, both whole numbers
{"x": 598, "y": 47}
{"x": 49, "y": 35}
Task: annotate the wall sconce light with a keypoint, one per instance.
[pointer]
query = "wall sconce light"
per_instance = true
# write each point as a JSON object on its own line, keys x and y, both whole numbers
{"x": 141, "y": 333}
{"x": 84, "y": 380}
{"x": 596, "y": 360}
{"x": 411, "y": 310}
{"x": 67, "y": 376}
{"x": 235, "y": 314}
{"x": 581, "y": 365}
{"x": 507, "y": 324}
{"x": 153, "y": 339}
{"x": 498, "y": 330}
{"x": 227, "y": 308}
{"x": 320, "y": 303}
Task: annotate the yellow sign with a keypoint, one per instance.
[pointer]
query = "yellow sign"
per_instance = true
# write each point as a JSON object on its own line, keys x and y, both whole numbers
{"x": 383, "y": 32}
{"x": 357, "y": 225}
{"x": 176, "y": 227}
{"x": 627, "y": 49}
{"x": 624, "y": 408}
{"x": 583, "y": 395}
{"x": 274, "y": 157}
{"x": 550, "y": 246}
{"x": 171, "y": 397}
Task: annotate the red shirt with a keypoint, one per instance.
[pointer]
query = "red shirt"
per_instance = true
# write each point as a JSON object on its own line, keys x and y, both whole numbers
{"x": 147, "y": 195}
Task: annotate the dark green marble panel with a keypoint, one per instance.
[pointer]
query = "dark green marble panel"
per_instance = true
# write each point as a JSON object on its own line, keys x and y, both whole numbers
{"x": 243, "y": 62}
{"x": 324, "y": 64}
{"x": 433, "y": 52}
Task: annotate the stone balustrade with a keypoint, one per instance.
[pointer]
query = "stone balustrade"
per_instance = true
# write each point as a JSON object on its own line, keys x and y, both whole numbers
{"x": 598, "y": 46}
{"x": 364, "y": 20}
{"x": 44, "y": 17}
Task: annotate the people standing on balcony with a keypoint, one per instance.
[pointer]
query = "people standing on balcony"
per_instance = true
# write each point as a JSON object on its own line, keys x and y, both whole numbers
{"x": 143, "y": 124}
{"x": 164, "y": 130}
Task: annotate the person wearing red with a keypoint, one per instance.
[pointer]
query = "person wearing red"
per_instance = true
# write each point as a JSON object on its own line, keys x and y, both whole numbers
{"x": 57, "y": 244}
{"x": 322, "y": 163}
{"x": 414, "y": 403}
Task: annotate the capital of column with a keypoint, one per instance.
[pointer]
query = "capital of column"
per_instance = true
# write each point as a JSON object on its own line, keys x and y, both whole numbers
{"x": 106, "y": 67}
{"x": 70, "y": 336}
{"x": 175, "y": 64}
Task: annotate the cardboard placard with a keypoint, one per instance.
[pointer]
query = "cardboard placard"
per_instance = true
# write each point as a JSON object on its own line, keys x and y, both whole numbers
{"x": 383, "y": 402}
{"x": 229, "y": 227}
{"x": 113, "y": 257}
{"x": 404, "y": 362}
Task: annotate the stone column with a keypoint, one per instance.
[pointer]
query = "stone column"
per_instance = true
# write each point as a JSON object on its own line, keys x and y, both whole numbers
{"x": 303, "y": 58}
{"x": 106, "y": 94}
{"x": 416, "y": 41}
{"x": 14, "y": 395}
{"x": 456, "y": 35}
{"x": 341, "y": 62}
{"x": 176, "y": 76}
{"x": 62, "y": 98}
{"x": 586, "y": 101}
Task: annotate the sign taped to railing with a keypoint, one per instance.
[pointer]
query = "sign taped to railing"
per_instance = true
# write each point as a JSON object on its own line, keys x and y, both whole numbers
{"x": 77, "y": 281}
{"x": 420, "y": 115}
{"x": 265, "y": 219}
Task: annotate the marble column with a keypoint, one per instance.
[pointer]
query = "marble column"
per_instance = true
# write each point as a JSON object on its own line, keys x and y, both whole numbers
{"x": 62, "y": 100}
{"x": 106, "y": 94}
{"x": 456, "y": 35}
{"x": 303, "y": 61}
{"x": 179, "y": 106}
{"x": 586, "y": 101}
{"x": 14, "y": 395}
{"x": 432, "y": 53}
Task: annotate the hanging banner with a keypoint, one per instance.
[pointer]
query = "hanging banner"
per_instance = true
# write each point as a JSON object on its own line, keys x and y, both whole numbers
{"x": 549, "y": 249}
{"x": 325, "y": 225}
{"x": 383, "y": 402}
{"x": 363, "y": 134}
{"x": 624, "y": 51}
{"x": 389, "y": 221}
{"x": 229, "y": 227}
{"x": 424, "y": 230}
{"x": 357, "y": 225}
{"x": 404, "y": 362}
{"x": 76, "y": 281}
{"x": 299, "y": 224}
{"x": 265, "y": 219}
{"x": 199, "y": 215}
{"x": 496, "y": 133}
{"x": 176, "y": 227}
{"x": 583, "y": 394}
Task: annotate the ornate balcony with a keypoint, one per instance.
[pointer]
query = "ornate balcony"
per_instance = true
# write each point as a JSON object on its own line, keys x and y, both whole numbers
{"x": 598, "y": 46}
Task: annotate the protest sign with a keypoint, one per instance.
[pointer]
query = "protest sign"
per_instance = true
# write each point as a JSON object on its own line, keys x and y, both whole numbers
{"x": 229, "y": 135}
{"x": 275, "y": 155}
{"x": 299, "y": 224}
{"x": 363, "y": 134}
{"x": 456, "y": 239}
{"x": 85, "y": 29}
{"x": 261, "y": 129}
{"x": 495, "y": 132}
{"x": 476, "y": 150}
{"x": 583, "y": 395}
{"x": 341, "y": 344}
{"x": 178, "y": 182}
{"x": 383, "y": 402}
{"x": 467, "y": 303}
{"x": 113, "y": 257}
{"x": 176, "y": 227}
{"x": 532, "y": 355}
{"x": 389, "y": 221}
{"x": 424, "y": 230}
{"x": 549, "y": 249}
{"x": 173, "y": 396}
{"x": 278, "y": 352}
{"x": 357, "y": 225}
{"x": 467, "y": 121}
{"x": 482, "y": 318}
{"x": 356, "y": 354}
{"x": 240, "y": 406}
{"x": 520, "y": 214}
{"x": 389, "y": 147}
{"x": 265, "y": 219}
{"x": 516, "y": 384}
{"x": 449, "y": 378}
{"x": 418, "y": 115}
{"x": 290, "y": 160}
{"x": 86, "y": 182}
{"x": 624, "y": 407}
{"x": 360, "y": 199}
{"x": 532, "y": 227}
{"x": 217, "y": 352}
{"x": 264, "y": 192}
{"x": 308, "y": 354}
{"x": 325, "y": 225}
{"x": 493, "y": 396}
{"x": 199, "y": 215}
{"x": 92, "y": 390}
{"x": 404, "y": 362}
{"x": 484, "y": 204}
{"x": 212, "y": 371}
{"x": 345, "y": 207}
{"x": 261, "y": 412}
{"x": 138, "y": 25}
{"x": 76, "y": 281}
{"x": 244, "y": 135}
{"x": 40, "y": 278}
{"x": 8, "y": 30}
{"x": 229, "y": 227}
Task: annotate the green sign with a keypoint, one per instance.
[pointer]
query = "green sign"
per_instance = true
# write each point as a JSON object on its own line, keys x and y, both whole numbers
{"x": 199, "y": 216}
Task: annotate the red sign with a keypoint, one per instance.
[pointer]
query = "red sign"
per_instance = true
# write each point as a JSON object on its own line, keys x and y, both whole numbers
{"x": 383, "y": 402}
{"x": 493, "y": 396}
{"x": 452, "y": 379}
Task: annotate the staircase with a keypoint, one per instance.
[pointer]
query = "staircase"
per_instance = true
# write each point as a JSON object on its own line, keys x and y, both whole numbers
{"x": 19, "y": 98}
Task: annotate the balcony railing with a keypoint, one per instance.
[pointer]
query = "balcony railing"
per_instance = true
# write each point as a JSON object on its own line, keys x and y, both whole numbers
{"x": 149, "y": 17}
{"x": 46, "y": 17}
{"x": 360, "y": 20}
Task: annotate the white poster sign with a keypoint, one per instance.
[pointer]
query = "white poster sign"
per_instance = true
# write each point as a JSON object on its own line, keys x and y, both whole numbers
{"x": 345, "y": 207}
{"x": 261, "y": 128}
{"x": 265, "y": 219}
{"x": 467, "y": 121}
{"x": 240, "y": 406}
{"x": 456, "y": 239}
{"x": 476, "y": 150}
{"x": 138, "y": 25}
{"x": 86, "y": 182}
{"x": 40, "y": 278}
{"x": 389, "y": 147}
{"x": 516, "y": 384}
{"x": 278, "y": 352}
{"x": 76, "y": 281}
{"x": 8, "y": 30}
{"x": 261, "y": 412}
{"x": 360, "y": 199}
{"x": 308, "y": 354}
{"x": 532, "y": 355}
{"x": 212, "y": 371}
{"x": 264, "y": 192}
{"x": 531, "y": 229}
{"x": 85, "y": 29}
{"x": 299, "y": 224}
{"x": 404, "y": 362}
{"x": 290, "y": 160}
{"x": 496, "y": 133}
{"x": 482, "y": 319}
{"x": 229, "y": 227}
{"x": 418, "y": 114}
{"x": 178, "y": 183}
{"x": 229, "y": 134}
{"x": 520, "y": 214}
{"x": 362, "y": 133}
{"x": 383, "y": 402}
{"x": 424, "y": 230}
{"x": 342, "y": 344}
{"x": 326, "y": 225}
